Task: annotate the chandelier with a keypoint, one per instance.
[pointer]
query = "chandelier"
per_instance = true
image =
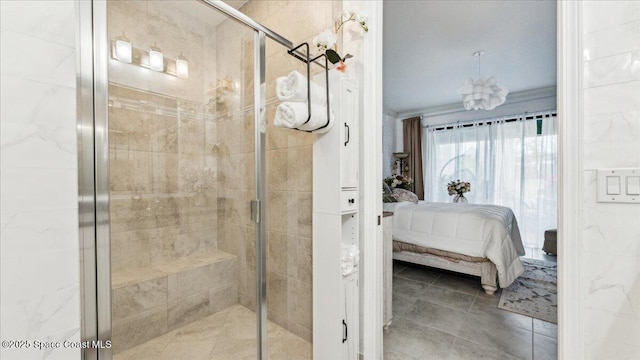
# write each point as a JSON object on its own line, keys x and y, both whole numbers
{"x": 481, "y": 93}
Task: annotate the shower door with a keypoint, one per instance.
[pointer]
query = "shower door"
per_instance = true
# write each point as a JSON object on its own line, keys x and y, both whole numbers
{"x": 181, "y": 180}
{"x": 180, "y": 255}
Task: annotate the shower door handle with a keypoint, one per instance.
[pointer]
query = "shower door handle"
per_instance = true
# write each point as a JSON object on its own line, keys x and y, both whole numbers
{"x": 347, "y": 135}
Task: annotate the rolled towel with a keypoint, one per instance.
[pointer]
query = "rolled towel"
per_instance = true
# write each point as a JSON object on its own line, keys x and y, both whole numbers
{"x": 293, "y": 87}
{"x": 292, "y": 115}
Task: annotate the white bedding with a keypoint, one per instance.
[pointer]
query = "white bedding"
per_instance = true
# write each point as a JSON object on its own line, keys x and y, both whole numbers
{"x": 487, "y": 231}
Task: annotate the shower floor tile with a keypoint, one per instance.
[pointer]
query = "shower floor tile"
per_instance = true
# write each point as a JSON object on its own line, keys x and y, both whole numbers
{"x": 228, "y": 334}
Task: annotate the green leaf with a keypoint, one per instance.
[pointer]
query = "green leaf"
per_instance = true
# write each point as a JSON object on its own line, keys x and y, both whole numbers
{"x": 333, "y": 56}
{"x": 348, "y": 56}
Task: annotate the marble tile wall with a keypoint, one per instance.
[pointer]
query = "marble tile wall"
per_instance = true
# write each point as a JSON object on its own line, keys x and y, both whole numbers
{"x": 289, "y": 164}
{"x": 39, "y": 256}
{"x": 163, "y": 135}
{"x": 170, "y": 295}
{"x": 611, "y": 236}
{"x": 165, "y": 159}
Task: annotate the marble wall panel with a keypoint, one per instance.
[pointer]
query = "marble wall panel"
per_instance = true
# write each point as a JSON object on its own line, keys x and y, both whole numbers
{"x": 39, "y": 256}
{"x": 610, "y": 259}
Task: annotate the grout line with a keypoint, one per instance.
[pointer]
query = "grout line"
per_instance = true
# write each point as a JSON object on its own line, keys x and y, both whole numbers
{"x": 532, "y": 341}
{"x": 472, "y": 303}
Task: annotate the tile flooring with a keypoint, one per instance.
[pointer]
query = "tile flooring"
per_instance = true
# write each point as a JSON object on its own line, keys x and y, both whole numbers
{"x": 436, "y": 315}
{"x": 444, "y": 315}
{"x": 227, "y": 335}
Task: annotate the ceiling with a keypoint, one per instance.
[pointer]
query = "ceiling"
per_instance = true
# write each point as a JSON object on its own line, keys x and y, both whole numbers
{"x": 428, "y": 47}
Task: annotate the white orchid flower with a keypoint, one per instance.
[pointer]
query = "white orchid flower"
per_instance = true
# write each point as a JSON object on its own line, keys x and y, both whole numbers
{"x": 325, "y": 40}
{"x": 363, "y": 20}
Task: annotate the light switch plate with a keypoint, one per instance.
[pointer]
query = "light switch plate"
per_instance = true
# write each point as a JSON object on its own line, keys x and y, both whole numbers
{"x": 609, "y": 178}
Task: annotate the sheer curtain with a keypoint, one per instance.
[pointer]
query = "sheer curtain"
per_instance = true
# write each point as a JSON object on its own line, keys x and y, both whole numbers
{"x": 508, "y": 162}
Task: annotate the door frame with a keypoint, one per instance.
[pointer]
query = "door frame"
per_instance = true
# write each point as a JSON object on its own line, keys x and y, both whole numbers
{"x": 93, "y": 175}
{"x": 570, "y": 180}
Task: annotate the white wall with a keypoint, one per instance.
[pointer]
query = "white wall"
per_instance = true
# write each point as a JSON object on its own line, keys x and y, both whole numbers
{"x": 389, "y": 124}
{"x": 39, "y": 266}
{"x": 610, "y": 256}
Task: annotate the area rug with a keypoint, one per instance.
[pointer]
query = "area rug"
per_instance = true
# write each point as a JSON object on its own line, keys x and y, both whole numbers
{"x": 535, "y": 293}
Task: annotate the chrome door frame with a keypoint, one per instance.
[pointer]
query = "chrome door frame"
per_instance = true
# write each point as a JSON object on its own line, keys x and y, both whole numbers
{"x": 93, "y": 176}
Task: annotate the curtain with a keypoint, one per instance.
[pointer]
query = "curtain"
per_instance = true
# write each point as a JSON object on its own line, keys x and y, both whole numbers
{"x": 412, "y": 139}
{"x": 508, "y": 163}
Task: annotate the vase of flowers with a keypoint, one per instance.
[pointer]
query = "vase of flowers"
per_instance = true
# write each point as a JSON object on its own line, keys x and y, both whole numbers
{"x": 399, "y": 181}
{"x": 458, "y": 188}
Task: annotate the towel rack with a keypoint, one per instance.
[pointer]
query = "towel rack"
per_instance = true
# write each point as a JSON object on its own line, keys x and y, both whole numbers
{"x": 307, "y": 60}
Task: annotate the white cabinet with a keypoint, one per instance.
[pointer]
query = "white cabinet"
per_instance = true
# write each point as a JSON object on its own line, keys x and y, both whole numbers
{"x": 350, "y": 322}
{"x": 336, "y": 298}
{"x": 349, "y": 130}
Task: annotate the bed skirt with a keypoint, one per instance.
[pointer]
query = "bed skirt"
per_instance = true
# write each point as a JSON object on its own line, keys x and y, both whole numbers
{"x": 441, "y": 259}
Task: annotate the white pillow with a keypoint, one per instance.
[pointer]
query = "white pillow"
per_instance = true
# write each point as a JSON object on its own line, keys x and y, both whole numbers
{"x": 405, "y": 195}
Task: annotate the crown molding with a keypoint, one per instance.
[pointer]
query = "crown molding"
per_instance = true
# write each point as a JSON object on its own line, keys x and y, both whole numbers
{"x": 517, "y": 97}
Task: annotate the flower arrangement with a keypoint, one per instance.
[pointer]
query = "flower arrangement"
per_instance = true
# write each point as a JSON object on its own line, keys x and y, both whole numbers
{"x": 458, "y": 187}
{"x": 399, "y": 181}
{"x": 326, "y": 41}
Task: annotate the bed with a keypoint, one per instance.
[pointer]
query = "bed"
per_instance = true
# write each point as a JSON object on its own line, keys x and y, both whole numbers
{"x": 480, "y": 240}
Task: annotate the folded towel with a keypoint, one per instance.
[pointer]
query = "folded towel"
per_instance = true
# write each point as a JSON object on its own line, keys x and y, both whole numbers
{"x": 293, "y": 87}
{"x": 293, "y": 115}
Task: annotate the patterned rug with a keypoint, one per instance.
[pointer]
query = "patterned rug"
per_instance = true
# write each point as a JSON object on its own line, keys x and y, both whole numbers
{"x": 534, "y": 293}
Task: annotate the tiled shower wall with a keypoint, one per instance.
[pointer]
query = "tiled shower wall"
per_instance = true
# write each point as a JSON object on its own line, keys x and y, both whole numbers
{"x": 164, "y": 192}
{"x": 161, "y": 138}
{"x": 289, "y": 165}
{"x": 611, "y": 237}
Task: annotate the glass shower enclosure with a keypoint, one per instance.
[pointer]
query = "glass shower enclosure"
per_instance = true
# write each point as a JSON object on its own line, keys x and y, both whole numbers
{"x": 180, "y": 180}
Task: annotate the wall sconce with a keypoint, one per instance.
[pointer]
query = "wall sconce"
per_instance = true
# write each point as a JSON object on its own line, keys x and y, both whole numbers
{"x": 153, "y": 58}
{"x": 156, "y": 59}
{"x": 122, "y": 49}
{"x": 182, "y": 67}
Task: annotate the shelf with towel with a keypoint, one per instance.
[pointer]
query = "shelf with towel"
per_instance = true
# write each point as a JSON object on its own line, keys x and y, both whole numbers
{"x": 292, "y": 113}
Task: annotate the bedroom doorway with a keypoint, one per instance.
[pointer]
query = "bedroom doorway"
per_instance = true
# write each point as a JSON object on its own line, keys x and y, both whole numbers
{"x": 437, "y": 307}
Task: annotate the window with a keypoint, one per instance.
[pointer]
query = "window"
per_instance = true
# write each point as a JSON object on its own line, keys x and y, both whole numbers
{"x": 508, "y": 161}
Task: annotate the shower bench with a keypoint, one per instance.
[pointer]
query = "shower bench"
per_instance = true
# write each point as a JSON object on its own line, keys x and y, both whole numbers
{"x": 150, "y": 301}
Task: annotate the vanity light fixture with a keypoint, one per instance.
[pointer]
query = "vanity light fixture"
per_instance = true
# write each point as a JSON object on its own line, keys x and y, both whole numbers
{"x": 150, "y": 58}
{"x": 156, "y": 59}
{"x": 182, "y": 67}
{"x": 122, "y": 49}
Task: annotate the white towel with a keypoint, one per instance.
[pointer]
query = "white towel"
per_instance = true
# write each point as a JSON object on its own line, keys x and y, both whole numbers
{"x": 292, "y": 115}
{"x": 349, "y": 258}
{"x": 293, "y": 87}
